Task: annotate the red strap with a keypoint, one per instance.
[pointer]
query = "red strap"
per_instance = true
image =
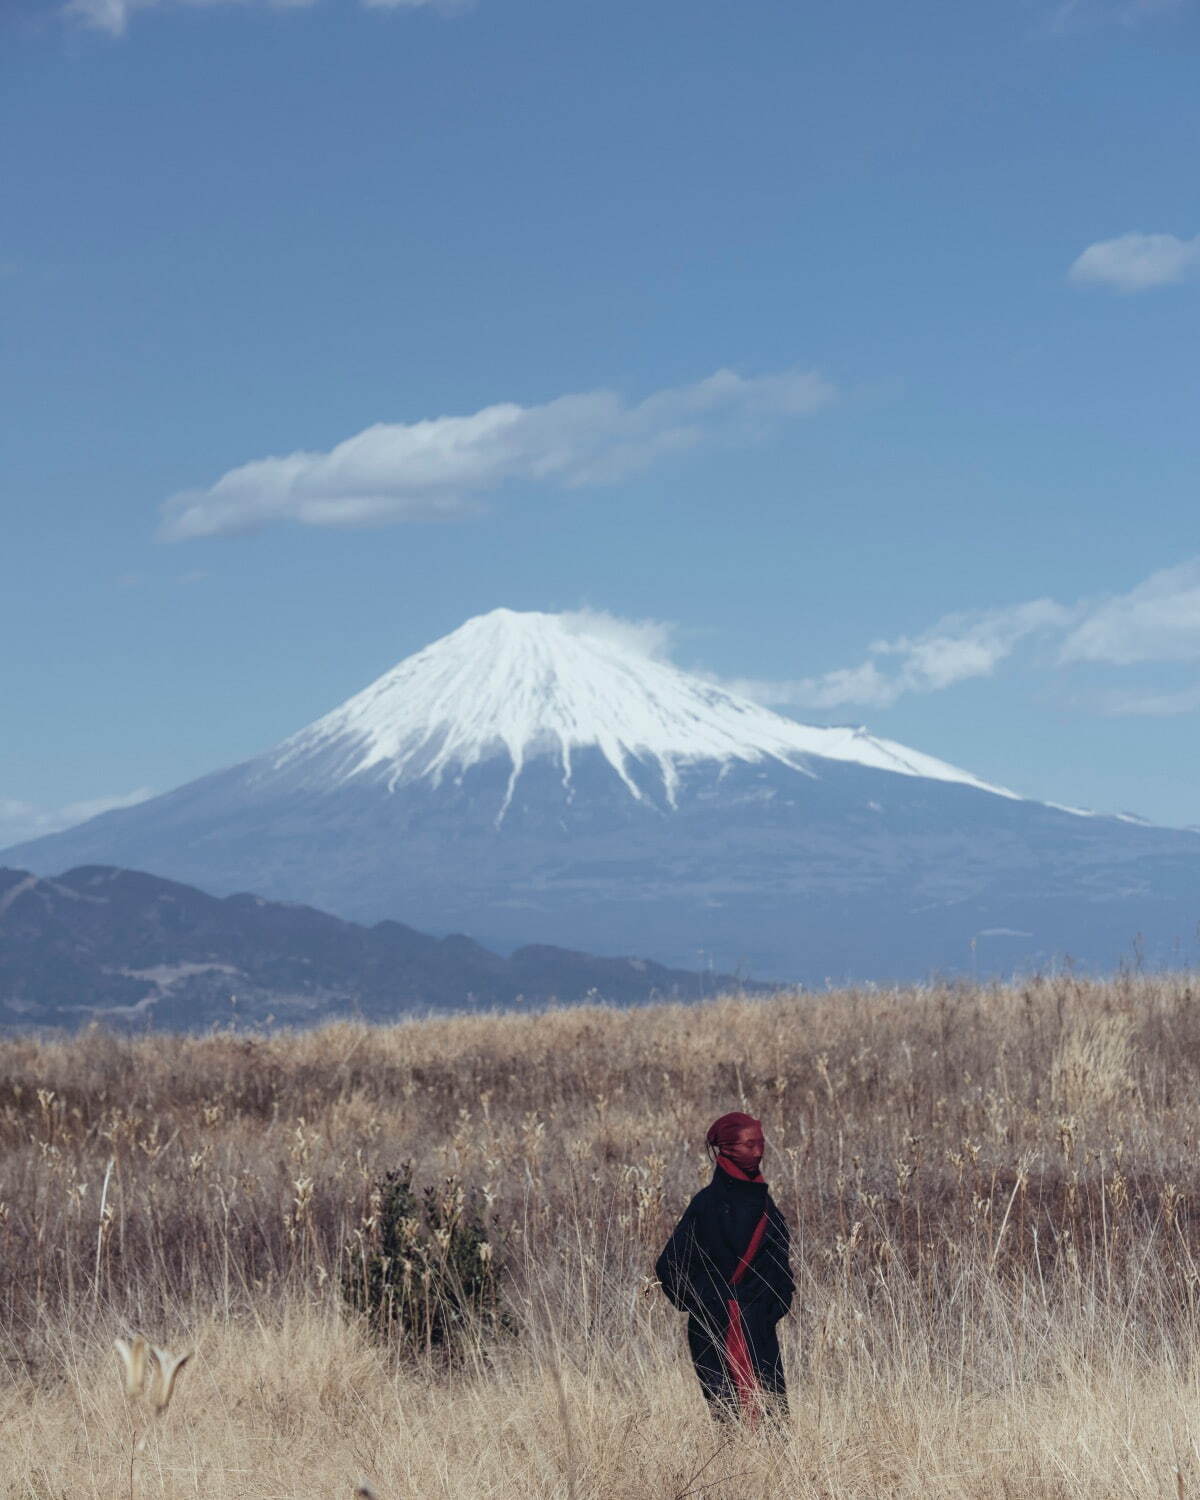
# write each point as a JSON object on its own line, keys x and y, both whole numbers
{"x": 751, "y": 1251}
{"x": 739, "y": 1363}
{"x": 737, "y": 1351}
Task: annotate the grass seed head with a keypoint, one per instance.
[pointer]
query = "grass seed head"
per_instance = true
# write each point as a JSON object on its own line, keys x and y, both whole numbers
{"x": 168, "y": 1367}
{"x": 133, "y": 1354}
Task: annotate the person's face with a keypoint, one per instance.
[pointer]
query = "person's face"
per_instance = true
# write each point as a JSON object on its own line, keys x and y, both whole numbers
{"x": 746, "y": 1148}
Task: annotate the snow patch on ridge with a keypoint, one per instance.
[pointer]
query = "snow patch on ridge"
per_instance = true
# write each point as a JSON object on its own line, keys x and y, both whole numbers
{"x": 530, "y": 684}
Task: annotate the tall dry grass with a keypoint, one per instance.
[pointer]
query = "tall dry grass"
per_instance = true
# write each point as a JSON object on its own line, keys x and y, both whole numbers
{"x": 992, "y": 1193}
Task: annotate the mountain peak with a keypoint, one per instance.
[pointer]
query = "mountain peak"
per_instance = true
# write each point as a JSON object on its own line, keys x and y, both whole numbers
{"x": 551, "y": 779}
{"x": 527, "y": 684}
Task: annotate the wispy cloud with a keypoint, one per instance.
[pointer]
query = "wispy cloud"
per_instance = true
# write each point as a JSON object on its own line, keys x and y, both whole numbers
{"x": 1151, "y": 705}
{"x": 1073, "y": 15}
{"x": 114, "y": 16}
{"x": 447, "y": 7}
{"x": 957, "y": 648}
{"x": 1137, "y": 262}
{"x": 439, "y": 468}
{"x": 654, "y": 639}
{"x": 1156, "y": 624}
{"x": 21, "y": 821}
{"x": 1158, "y": 621}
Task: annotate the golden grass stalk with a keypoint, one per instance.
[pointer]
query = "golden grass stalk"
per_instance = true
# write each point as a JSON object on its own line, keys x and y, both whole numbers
{"x": 992, "y": 1191}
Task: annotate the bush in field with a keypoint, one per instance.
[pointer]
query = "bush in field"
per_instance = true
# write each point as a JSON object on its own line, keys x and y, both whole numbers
{"x": 421, "y": 1267}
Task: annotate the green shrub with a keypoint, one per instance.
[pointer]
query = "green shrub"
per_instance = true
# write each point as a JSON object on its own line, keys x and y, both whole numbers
{"x": 421, "y": 1268}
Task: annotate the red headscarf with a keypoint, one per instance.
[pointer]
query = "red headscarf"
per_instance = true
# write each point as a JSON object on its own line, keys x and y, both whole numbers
{"x": 722, "y": 1132}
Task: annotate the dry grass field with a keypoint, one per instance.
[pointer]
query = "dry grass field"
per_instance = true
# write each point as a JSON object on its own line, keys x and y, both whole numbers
{"x": 994, "y": 1195}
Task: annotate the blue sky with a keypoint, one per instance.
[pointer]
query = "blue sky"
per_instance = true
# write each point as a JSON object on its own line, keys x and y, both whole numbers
{"x": 856, "y": 343}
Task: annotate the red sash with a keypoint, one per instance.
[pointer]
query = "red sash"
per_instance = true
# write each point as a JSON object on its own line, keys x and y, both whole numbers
{"x": 737, "y": 1351}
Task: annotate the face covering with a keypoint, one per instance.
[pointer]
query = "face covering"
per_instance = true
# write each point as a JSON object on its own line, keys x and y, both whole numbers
{"x": 724, "y": 1136}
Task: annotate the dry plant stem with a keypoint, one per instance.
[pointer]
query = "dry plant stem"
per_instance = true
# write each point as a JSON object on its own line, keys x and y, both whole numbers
{"x": 149, "y": 1375}
{"x": 692, "y": 1485}
{"x": 100, "y": 1226}
{"x": 993, "y": 1193}
{"x": 564, "y": 1415}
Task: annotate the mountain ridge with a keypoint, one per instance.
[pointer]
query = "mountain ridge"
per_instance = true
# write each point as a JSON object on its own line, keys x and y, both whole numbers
{"x": 129, "y": 947}
{"x": 535, "y": 779}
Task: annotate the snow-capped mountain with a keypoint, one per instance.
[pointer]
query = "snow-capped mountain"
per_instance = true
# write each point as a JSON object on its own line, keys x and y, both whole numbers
{"x": 522, "y": 686}
{"x": 539, "y": 778}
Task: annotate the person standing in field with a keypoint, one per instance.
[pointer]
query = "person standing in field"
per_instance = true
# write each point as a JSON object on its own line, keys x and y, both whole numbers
{"x": 727, "y": 1265}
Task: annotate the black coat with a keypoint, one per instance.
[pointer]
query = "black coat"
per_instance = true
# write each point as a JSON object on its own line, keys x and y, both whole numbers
{"x": 694, "y": 1270}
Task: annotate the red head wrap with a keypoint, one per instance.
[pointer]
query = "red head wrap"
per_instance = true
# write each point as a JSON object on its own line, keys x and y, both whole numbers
{"x": 721, "y": 1132}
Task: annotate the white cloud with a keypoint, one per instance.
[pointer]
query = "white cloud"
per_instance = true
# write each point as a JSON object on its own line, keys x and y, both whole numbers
{"x": 436, "y": 469}
{"x": 1156, "y": 622}
{"x": 105, "y": 15}
{"x": 1072, "y": 15}
{"x": 1159, "y": 620}
{"x": 1151, "y": 705}
{"x": 1136, "y": 262}
{"x": 21, "y": 821}
{"x": 114, "y": 16}
{"x": 865, "y": 685}
{"x": 447, "y": 7}
{"x": 654, "y": 639}
{"x": 957, "y": 648}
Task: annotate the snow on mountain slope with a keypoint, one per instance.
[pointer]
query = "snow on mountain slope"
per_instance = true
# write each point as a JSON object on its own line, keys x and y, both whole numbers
{"x": 536, "y": 778}
{"x": 530, "y": 684}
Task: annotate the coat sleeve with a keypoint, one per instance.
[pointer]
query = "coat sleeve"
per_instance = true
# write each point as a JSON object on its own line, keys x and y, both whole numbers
{"x": 674, "y": 1266}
